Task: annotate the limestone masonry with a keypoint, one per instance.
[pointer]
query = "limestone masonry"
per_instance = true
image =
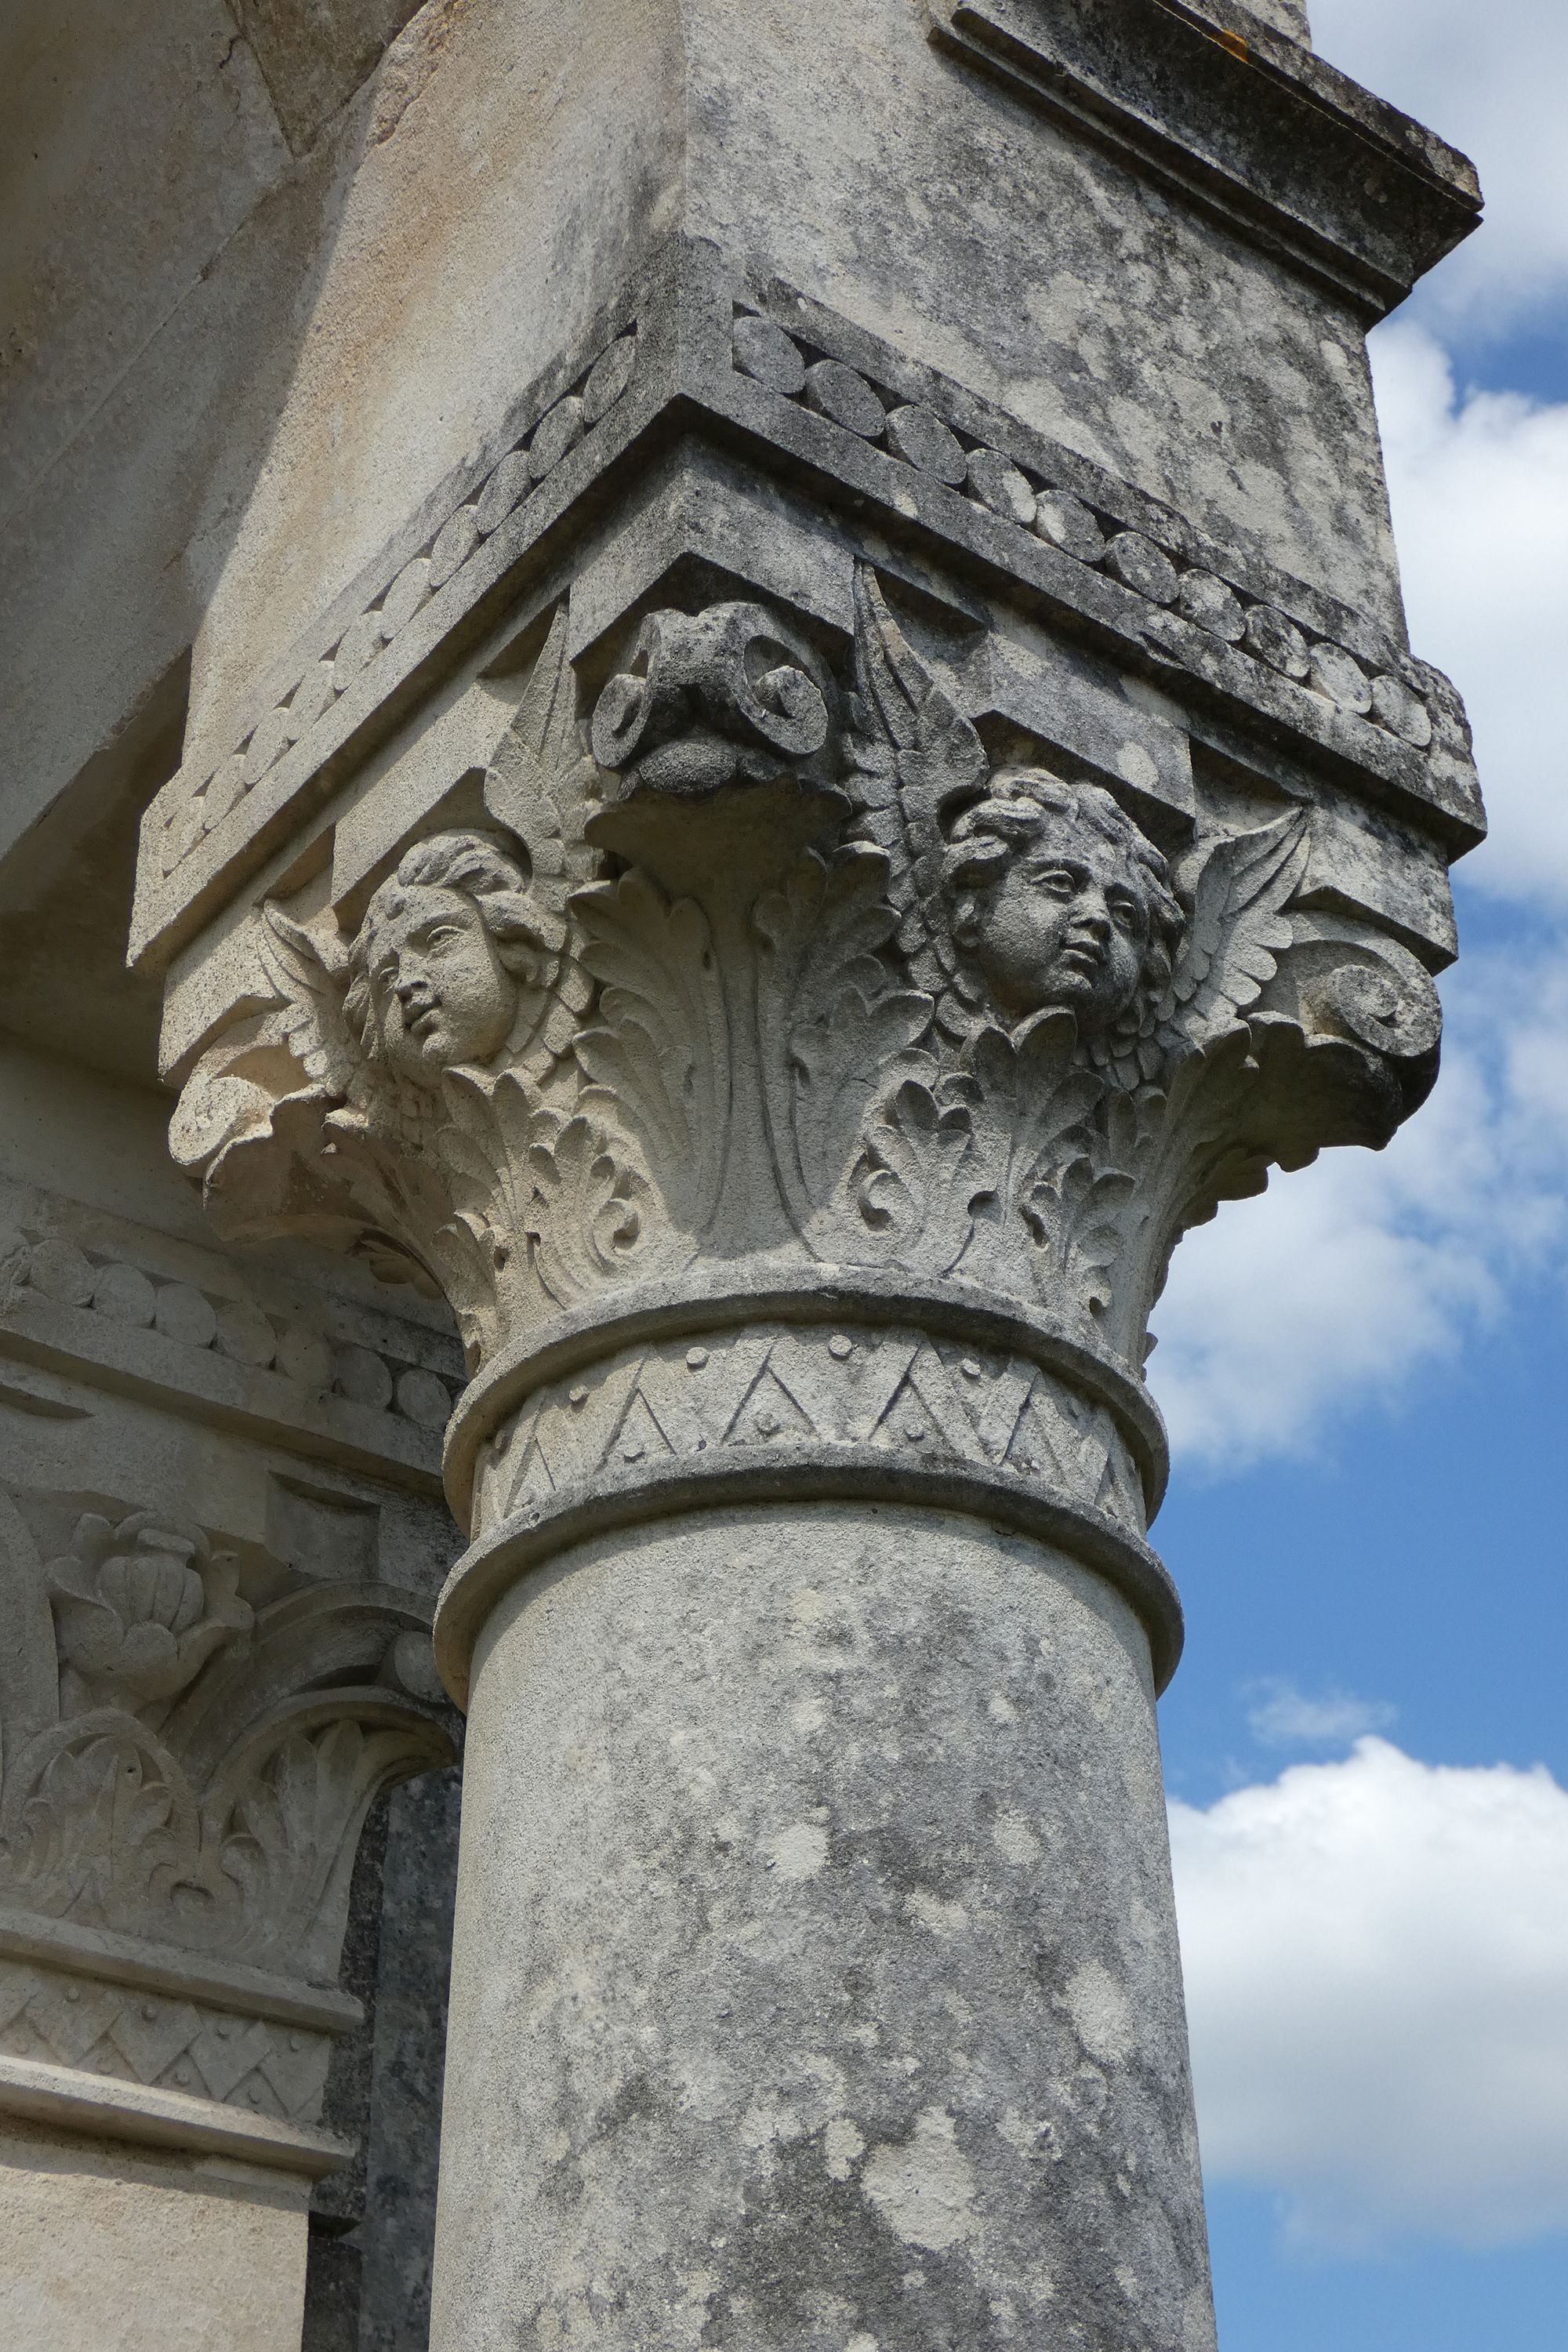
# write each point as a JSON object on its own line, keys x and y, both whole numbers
{"x": 707, "y": 716}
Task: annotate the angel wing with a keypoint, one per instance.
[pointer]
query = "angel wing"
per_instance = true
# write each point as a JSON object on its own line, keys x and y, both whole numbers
{"x": 538, "y": 786}
{"x": 308, "y": 969}
{"x": 913, "y": 752}
{"x": 360, "y": 1094}
{"x": 297, "y": 1050}
{"x": 1237, "y": 890}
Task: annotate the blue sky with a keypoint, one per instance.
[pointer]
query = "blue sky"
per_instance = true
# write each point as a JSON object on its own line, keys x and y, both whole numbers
{"x": 1366, "y": 1375}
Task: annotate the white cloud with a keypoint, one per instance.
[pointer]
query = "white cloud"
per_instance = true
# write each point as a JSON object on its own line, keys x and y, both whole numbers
{"x": 1281, "y": 1716}
{"x": 1479, "y": 491}
{"x": 1376, "y": 1958}
{"x": 1490, "y": 80}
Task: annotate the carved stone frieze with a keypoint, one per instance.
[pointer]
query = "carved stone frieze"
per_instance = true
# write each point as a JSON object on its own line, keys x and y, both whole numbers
{"x": 875, "y": 429}
{"x": 132, "y": 2032}
{"x": 771, "y": 1387}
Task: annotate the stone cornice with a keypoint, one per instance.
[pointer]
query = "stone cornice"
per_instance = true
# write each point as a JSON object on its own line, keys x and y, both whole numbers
{"x": 1240, "y": 122}
{"x": 102, "y": 2107}
{"x": 1277, "y": 659}
{"x": 73, "y": 1949}
{"x": 205, "y": 1386}
{"x": 91, "y": 1302}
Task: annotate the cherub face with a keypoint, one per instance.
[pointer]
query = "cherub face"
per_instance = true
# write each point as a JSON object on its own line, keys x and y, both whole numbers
{"x": 1065, "y": 926}
{"x": 439, "y": 992}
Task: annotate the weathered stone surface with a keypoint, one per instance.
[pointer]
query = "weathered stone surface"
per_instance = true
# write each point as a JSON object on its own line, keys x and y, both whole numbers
{"x": 219, "y": 1556}
{"x": 372, "y": 2222}
{"x": 355, "y": 217}
{"x": 820, "y": 1156}
{"x": 796, "y": 748}
{"x": 865, "y": 2022}
{"x": 314, "y": 58}
{"x": 398, "y": 2234}
{"x": 1283, "y": 620}
{"x": 100, "y": 2246}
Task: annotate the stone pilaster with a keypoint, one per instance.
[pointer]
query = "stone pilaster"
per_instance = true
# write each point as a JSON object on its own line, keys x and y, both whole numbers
{"x": 218, "y": 1534}
{"x": 781, "y": 893}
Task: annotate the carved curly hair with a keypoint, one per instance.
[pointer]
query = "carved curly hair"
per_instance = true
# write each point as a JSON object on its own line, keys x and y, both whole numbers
{"x": 478, "y": 868}
{"x": 1021, "y": 807}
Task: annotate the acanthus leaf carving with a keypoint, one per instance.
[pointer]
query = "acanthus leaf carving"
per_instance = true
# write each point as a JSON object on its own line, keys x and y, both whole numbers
{"x": 659, "y": 1057}
{"x": 835, "y": 1030}
{"x": 182, "y": 1766}
{"x": 742, "y": 982}
{"x": 595, "y": 1217}
{"x": 921, "y": 1181}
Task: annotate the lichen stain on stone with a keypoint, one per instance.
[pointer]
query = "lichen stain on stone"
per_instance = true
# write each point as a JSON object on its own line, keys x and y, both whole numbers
{"x": 942, "y": 1918}
{"x": 1137, "y": 766}
{"x": 842, "y": 2145}
{"x": 798, "y": 1852}
{"x": 1030, "y": 2140}
{"x": 767, "y": 2119}
{"x": 1014, "y": 1839}
{"x": 924, "y": 2190}
{"x": 822, "y": 1632}
{"x": 828, "y": 2074}
{"x": 1197, "y": 2320}
{"x": 1100, "y": 2013}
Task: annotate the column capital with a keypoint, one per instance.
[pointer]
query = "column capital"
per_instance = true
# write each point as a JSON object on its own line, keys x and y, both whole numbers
{"x": 769, "y": 1067}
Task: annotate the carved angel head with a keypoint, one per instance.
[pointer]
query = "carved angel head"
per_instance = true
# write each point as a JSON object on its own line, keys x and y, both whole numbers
{"x": 435, "y": 970}
{"x": 1061, "y": 902}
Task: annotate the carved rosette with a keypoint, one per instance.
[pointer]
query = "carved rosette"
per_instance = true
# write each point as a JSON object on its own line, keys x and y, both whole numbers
{"x": 789, "y": 1096}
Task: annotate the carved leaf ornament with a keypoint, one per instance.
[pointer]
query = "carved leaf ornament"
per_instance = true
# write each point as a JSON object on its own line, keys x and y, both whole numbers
{"x": 766, "y": 967}
{"x": 177, "y": 1766}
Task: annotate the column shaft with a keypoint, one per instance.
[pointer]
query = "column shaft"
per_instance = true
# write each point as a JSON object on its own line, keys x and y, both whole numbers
{"x": 815, "y": 1977}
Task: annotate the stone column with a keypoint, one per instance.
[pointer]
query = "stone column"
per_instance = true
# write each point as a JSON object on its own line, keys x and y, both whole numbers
{"x": 782, "y": 892}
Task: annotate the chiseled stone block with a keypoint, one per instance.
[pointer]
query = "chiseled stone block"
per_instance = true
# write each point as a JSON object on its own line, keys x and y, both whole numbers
{"x": 104, "y": 2246}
